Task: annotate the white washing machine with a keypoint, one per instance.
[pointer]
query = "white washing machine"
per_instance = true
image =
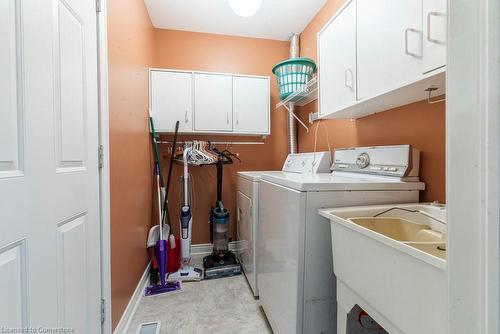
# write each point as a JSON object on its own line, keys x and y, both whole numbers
{"x": 295, "y": 272}
{"x": 247, "y": 206}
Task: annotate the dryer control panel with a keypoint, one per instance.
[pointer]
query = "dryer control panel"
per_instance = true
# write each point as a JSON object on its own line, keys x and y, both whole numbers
{"x": 310, "y": 162}
{"x": 398, "y": 161}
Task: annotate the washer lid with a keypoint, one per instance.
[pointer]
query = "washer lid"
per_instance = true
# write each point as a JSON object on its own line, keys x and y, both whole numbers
{"x": 253, "y": 175}
{"x": 340, "y": 181}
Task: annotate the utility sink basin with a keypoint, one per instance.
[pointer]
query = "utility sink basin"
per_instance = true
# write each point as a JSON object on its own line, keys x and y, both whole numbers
{"x": 391, "y": 261}
{"x": 419, "y": 236}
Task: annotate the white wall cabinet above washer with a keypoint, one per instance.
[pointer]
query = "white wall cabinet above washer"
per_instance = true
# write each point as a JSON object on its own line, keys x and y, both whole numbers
{"x": 389, "y": 44}
{"x": 206, "y": 102}
{"x": 434, "y": 44}
{"x": 398, "y": 51}
{"x": 337, "y": 56}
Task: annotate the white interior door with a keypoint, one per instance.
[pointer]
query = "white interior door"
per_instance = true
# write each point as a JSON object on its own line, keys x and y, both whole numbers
{"x": 337, "y": 54}
{"x": 251, "y": 103}
{"x": 389, "y": 45}
{"x": 213, "y": 102}
{"x": 172, "y": 100}
{"x": 49, "y": 224}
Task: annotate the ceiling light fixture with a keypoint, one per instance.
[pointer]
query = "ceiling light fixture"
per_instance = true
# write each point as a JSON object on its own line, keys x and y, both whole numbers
{"x": 245, "y": 8}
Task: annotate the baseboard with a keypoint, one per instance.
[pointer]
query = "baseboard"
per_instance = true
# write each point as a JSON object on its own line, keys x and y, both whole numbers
{"x": 205, "y": 249}
{"x": 133, "y": 303}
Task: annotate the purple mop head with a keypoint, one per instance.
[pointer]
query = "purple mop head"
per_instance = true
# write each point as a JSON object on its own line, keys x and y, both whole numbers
{"x": 163, "y": 287}
{"x": 159, "y": 288}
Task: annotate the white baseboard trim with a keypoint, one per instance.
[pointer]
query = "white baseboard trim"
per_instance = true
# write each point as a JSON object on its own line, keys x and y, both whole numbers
{"x": 205, "y": 249}
{"x": 133, "y": 303}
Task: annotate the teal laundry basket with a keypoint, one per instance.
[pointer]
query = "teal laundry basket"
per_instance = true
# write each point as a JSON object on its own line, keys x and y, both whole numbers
{"x": 293, "y": 75}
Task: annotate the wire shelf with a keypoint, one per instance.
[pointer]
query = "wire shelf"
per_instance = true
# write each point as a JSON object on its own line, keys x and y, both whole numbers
{"x": 303, "y": 96}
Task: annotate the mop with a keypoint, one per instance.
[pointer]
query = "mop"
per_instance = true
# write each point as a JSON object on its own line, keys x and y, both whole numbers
{"x": 187, "y": 272}
{"x": 161, "y": 244}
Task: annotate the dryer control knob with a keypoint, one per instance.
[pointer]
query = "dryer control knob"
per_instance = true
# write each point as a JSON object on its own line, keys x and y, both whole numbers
{"x": 363, "y": 160}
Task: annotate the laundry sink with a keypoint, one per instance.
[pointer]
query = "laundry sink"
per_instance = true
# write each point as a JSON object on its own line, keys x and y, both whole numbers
{"x": 399, "y": 229}
{"x": 391, "y": 261}
{"x": 419, "y": 236}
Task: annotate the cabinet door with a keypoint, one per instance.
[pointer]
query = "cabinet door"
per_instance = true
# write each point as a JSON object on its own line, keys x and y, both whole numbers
{"x": 171, "y": 100}
{"x": 251, "y": 105}
{"x": 389, "y": 45}
{"x": 337, "y": 62}
{"x": 434, "y": 17}
{"x": 213, "y": 102}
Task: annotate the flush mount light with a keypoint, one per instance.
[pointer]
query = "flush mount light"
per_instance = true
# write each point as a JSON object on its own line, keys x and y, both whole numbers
{"x": 245, "y": 8}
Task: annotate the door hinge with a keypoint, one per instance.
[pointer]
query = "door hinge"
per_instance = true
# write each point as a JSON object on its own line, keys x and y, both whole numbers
{"x": 103, "y": 310}
{"x": 101, "y": 156}
{"x": 98, "y": 8}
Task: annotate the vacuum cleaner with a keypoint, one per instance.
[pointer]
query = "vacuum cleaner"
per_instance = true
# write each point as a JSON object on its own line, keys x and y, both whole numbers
{"x": 186, "y": 272}
{"x": 222, "y": 262}
{"x": 161, "y": 245}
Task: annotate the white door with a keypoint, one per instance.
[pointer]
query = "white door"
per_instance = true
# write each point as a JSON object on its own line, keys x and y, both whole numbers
{"x": 389, "y": 45}
{"x": 434, "y": 12}
{"x": 49, "y": 224}
{"x": 172, "y": 100}
{"x": 213, "y": 102}
{"x": 245, "y": 231}
{"x": 251, "y": 103}
{"x": 337, "y": 55}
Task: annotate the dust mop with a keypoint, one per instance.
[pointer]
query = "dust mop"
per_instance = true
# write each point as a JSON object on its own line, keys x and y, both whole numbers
{"x": 187, "y": 272}
{"x": 161, "y": 244}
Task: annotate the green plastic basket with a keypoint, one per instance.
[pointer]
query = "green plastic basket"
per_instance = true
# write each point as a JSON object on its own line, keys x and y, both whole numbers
{"x": 293, "y": 74}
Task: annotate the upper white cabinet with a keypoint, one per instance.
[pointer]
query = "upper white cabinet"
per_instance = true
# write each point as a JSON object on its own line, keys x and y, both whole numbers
{"x": 375, "y": 55}
{"x": 213, "y": 102}
{"x": 210, "y": 102}
{"x": 389, "y": 44}
{"x": 337, "y": 56}
{"x": 251, "y": 105}
{"x": 434, "y": 17}
{"x": 172, "y": 100}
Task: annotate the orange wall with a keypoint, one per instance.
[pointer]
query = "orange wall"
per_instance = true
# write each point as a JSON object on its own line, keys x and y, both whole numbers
{"x": 130, "y": 48}
{"x": 229, "y": 54}
{"x": 419, "y": 124}
{"x": 134, "y": 45}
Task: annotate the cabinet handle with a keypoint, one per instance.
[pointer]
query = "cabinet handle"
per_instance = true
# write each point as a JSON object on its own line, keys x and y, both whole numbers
{"x": 429, "y": 16}
{"x": 237, "y": 119}
{"x": 407, "y": 30}
{"x": 348, "y": 70}
{"x": 186, "y": 119}
{"x": 227, "y": 117}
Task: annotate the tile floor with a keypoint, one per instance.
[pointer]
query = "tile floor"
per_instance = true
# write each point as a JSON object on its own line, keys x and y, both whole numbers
{"x": 214, "y": 306}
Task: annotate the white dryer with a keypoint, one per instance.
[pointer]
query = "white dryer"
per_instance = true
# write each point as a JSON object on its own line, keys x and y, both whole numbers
{"x": 295, "y": 271}
{"x": 247, "y": 206}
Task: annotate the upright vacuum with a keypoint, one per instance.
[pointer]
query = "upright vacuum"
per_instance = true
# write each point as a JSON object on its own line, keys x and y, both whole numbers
{"x": 186, "y": 272}
{"x": 222, "y": 262}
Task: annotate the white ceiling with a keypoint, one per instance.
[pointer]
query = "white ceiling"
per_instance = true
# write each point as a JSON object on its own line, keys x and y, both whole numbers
{"x": 276, "y": 19}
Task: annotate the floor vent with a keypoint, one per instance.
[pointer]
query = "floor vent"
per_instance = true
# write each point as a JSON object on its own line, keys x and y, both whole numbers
{"x": 149, "y": 328}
